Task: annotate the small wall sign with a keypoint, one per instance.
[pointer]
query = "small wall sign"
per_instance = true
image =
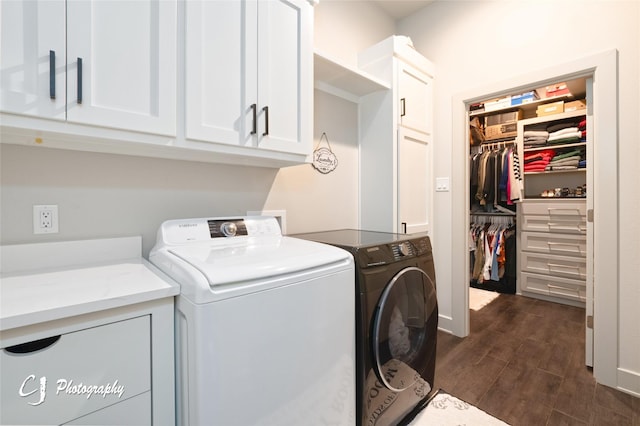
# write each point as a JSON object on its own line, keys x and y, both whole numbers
{"x": 324, "y": 160}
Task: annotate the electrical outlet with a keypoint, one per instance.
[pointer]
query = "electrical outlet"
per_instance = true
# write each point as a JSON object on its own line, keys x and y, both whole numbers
{"x": 45, "y": 219}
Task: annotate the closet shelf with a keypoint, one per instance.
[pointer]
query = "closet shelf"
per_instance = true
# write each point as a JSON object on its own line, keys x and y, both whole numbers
{"x": 526, "y": 106}
{"x": 553, "y": 172}
{"x": 342, "y": 80}
{"x": 542, "y": 148}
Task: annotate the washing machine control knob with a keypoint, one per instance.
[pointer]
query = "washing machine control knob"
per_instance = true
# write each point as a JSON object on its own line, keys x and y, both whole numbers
{"x": 405, "y": 250}
{"x": 229, "y": 229}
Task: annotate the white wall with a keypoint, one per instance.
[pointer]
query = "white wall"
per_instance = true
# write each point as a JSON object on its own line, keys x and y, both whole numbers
{"x": 104, "y": 195}
{"x": 323, "y": 201}
{"x": 478, "y": 43}
{"x": 345, "y": 27}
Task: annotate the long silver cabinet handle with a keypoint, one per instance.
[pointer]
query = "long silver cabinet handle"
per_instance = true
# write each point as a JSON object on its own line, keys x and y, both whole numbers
{"x": 79, "y": 80}
{"x": 266, "y": 120}
{"x": 52, "y": 74}
{"x": 254, "y": 129}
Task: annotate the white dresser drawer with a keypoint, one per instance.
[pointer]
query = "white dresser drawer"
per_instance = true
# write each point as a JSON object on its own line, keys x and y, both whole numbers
{"x": 561, "y": 244}
{"x": 77, "y": 374}
{"x": 133, "y": 411}
{"x": 563, "y": 223}
{"x": 554, "y": 208}
{"x": 565, "y": 288}
{"x": 556, "y": 266}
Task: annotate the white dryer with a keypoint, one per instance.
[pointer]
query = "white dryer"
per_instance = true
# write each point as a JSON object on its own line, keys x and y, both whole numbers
{"x": 265, "y": 324}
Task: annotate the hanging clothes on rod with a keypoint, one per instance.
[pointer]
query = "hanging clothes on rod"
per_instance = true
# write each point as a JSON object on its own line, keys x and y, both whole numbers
{"x": 495, "y": 178}
{"x": 492, "y": 244}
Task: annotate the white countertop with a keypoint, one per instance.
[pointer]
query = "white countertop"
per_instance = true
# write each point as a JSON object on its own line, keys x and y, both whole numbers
{"x": 49, "y": 281}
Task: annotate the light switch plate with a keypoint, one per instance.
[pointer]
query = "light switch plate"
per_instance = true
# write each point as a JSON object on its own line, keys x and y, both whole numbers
{"x": 442, "y": 184}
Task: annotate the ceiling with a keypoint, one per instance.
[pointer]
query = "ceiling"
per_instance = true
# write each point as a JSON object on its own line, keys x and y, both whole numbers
{"x": 399, "y": 9}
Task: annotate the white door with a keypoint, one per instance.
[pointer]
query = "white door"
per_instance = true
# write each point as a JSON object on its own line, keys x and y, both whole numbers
{"x": 414, "y": 182}
{"x": 285, "y": 81}
{"x": 121, "y": 64}
{"x": 32, "y": 57}
{"x": 415, "y": 93}
{"x": 221, "y": 71}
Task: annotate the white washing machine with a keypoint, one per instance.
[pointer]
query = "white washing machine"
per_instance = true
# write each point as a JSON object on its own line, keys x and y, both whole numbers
{"x": 265, "y": 324}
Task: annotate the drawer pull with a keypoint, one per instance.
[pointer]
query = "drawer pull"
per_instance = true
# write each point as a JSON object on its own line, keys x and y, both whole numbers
{"x": 551, "y": 245}
{"x": 559, "y": 209}
{"x": 561, "y": 267}
{"x": 566, "y": 226}
{"x": 557, "y": 287}
{"x": 34, "y": 346}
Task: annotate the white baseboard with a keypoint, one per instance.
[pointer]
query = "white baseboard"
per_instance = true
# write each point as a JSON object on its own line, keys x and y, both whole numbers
{"x": 629, "y": 382}
{"x": 445, "y": 324}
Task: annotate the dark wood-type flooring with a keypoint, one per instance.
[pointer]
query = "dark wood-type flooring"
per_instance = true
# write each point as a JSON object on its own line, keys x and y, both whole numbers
{"x": 523, "y": 363}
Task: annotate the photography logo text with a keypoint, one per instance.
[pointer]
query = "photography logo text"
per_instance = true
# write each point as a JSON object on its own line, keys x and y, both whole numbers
{"x": 35, "y": 389}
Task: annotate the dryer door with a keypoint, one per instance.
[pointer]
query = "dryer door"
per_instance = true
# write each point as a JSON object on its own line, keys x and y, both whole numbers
{"x": 402, "y": 333}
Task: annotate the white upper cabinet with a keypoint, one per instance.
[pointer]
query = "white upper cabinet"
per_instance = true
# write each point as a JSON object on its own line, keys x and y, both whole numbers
{"x": 118, "y": 69}
{"x": 33, "y": 58}
{"x": 249, "y": 78}
{"x": 224, "y": 81}
{"x": 121, "y": 64}
{"x": 415, "y": 98}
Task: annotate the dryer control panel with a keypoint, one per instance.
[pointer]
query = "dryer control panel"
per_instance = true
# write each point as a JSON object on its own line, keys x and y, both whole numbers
{"x": 403, "y": 249}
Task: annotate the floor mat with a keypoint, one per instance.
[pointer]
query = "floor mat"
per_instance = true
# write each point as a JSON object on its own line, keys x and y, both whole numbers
{"x": 447, "y": 410}
{"x": 479, "y": 298}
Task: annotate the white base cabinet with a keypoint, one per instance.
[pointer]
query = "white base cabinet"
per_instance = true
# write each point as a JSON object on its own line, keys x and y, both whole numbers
{"x": 65, "y": 377}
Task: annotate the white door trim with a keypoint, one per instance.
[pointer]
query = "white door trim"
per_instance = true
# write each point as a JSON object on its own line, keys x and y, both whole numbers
{"x": 603, "y": 68}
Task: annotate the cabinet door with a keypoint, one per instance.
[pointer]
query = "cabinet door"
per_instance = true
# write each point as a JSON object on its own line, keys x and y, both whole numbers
{"x": 33, "y": 58}
{"x": 414, "y": 182}
{"x": 415, "y": 99}
{"x": 121, "y": 64}
{"x": 221, "y": 66}
{"x": 285, "y": 79}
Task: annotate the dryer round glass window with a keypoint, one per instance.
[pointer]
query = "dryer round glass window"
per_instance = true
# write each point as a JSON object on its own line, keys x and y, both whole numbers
{"x": 400, "y": 328}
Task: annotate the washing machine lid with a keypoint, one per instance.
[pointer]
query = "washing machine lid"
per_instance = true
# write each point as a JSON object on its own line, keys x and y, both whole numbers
{"x": 254, "y": 259}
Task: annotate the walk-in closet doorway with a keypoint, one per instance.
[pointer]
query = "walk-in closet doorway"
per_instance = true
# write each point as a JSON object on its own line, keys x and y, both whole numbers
{"x": 600, "y": 72}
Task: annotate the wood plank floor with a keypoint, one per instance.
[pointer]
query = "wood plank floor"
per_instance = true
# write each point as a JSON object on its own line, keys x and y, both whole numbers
{"x": 523, "y": 362}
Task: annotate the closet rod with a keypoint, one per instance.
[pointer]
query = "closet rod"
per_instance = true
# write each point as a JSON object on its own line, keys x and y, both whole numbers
{"x": 498, "y": 144}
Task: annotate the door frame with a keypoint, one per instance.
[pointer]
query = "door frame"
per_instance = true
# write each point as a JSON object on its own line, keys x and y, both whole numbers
{"x": 602, "y": 68}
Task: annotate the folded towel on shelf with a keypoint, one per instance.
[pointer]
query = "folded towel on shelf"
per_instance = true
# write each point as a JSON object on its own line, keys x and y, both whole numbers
{"x": 566, "y": 124}
{"x": 577, "y": 134}
{"x": 563, "y": 131}
{"x": 536, "y": 168}
{"x": 544, "y": 153}
{"x": 536, "y": 134}
{"x": 582, "y": 164}
{"x": 568, "y": 154}
{"x": 567, "y": 162}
